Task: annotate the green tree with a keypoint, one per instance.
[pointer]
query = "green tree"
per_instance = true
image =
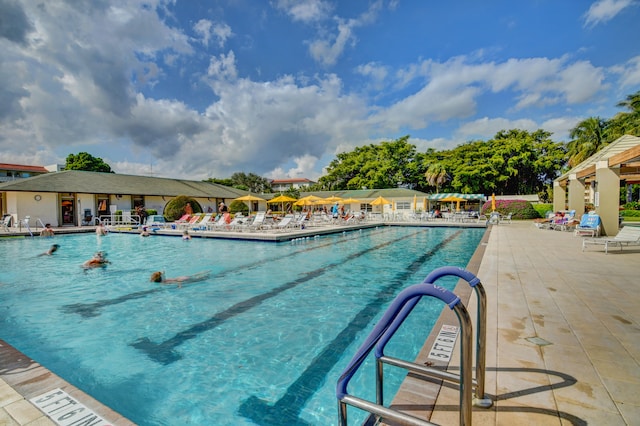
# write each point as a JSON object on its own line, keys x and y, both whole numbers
{"x": 436, "y": 175}
{"x": 386, "y": 165}
{"x": 247, "y": 182}
{"x": 626, "y": 123}
{"x": 87, "y": 162}
{"x": 587, "y": 138}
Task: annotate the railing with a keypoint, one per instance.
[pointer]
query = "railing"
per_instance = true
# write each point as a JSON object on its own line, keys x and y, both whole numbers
{"x": 395, "y": 315}
{"x": 124, "y": 219}
{"x": 479, "y": 399}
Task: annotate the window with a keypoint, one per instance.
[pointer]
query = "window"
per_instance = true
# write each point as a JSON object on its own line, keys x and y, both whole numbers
{"x": 403, "y": 205}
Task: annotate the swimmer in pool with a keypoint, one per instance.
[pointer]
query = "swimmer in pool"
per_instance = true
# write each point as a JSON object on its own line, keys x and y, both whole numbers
{"x": 99, "y": 260}
{"x": 51, "y": 250}
{"x": 158, "y": 277}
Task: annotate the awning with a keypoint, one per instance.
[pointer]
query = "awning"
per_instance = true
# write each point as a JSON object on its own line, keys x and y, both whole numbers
{"x": 436, "y": 197}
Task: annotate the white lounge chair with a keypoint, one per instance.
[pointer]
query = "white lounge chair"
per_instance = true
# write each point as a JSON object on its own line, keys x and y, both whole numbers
{"x": 258, "y": 222}
{"x": 201, "y": 225}
{"x": 628, "y": 235}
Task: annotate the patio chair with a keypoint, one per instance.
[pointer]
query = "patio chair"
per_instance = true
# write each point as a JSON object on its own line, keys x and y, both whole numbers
{"x": 589, "y": 225}
{"x": 628, "y": 235}
{"x": 6, "y": 222}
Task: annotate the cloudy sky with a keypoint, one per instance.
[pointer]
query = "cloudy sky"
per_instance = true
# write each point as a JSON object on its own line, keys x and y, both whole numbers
{"x": 205, "y": 88}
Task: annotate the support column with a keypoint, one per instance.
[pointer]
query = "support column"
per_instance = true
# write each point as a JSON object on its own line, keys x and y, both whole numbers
{"x": 559, "y": 197}
{"x": 607, "y": 197}
{"x": 576, "y": 195}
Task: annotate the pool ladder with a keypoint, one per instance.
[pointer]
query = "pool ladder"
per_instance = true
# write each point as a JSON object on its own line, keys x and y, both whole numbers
{"x": 393, "y": 317}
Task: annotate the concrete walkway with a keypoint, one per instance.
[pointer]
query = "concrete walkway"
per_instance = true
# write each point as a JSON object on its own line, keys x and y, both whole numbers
{"x": 563, "y": 344}
{"x": 563, "y": 332}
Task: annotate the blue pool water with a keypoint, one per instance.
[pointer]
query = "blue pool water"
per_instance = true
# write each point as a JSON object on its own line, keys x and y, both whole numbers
{"x": 261, "y": 342}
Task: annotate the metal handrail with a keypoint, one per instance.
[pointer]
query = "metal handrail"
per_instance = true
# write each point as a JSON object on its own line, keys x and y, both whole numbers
{"x": 479, "y": 399}
{"x": 410, "y": 295}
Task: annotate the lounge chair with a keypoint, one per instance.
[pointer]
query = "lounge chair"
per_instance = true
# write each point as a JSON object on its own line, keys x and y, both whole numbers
{"x": 201, "y": 225}
{"x": 589, "y": 225}
{"x": 258, "y": 222}
{"x": 628, "y": 235}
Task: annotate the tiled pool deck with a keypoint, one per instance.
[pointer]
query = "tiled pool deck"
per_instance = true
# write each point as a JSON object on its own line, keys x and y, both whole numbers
{"x": 539, "y": 284}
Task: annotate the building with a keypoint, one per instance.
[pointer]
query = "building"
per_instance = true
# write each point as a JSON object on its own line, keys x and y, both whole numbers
{"x": 282, "y": 185}
{"x": 596, "y": 181}
{"x": 74, "y": 198}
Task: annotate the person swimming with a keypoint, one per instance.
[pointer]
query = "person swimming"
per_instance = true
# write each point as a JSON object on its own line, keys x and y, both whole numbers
{"x": 99, "y": 260}
{"x": 51, "y": 250}
{"x": 158, "y": 277}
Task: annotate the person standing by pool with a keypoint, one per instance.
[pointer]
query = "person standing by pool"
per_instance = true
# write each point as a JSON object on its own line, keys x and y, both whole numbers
{"x": 47, "y": 231}
{"x": 188, "y": 209}
{"x": 100, "y": 229}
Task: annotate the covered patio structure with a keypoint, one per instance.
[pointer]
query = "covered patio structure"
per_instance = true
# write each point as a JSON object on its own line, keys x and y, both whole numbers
{"x": 448, "y": 196}
{"x": 597, "y": 180}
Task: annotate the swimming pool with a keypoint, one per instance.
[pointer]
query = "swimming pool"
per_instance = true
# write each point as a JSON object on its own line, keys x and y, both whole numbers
{"x": 261, "y": 342}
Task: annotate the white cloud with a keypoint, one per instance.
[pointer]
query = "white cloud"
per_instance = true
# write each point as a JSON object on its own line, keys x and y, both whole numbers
{"x": 208, "y": 30}
{"x": 603, "y": 11}
{"x": 629, "y": 72}
{"x": 305, "y": 10}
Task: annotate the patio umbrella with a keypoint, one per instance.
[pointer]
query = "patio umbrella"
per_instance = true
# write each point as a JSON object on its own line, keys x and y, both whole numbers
{"x": 453, "y": 198}
{"x": 493, "y": 202}
{"x": 249, "y": 198}
{"x": 309, "y": 200}
{"x": 281, "y": 199}
{"x": 329, "y": 200}
{"x": 415, "y": 203}
{"x": 350, "y": 201}
{"x": 380, "y": 201}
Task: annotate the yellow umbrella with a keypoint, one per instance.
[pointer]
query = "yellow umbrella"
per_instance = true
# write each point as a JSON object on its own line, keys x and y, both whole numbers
{"x": 380, "y": 201}
{"x": 309, "y": 200}
{"x": 493, "y": 202}
{"x": 350, "y": 201}
{"x": 424, "y": 204}
{"x": 281, "y": 199}
{"x": 415, "y": 203}
{"x": 329, "y": 200}
{"x": 249, "y": 198}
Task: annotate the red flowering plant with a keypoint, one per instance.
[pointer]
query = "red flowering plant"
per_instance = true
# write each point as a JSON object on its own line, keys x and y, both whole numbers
{"x": 520, "y": 209}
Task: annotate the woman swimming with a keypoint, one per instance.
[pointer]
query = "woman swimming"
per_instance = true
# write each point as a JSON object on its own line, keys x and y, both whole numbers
{"x": 158, "y": 277}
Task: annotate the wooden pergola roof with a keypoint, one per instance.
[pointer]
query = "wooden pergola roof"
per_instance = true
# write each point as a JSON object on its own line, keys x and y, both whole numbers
{"x": 624, "y": 152}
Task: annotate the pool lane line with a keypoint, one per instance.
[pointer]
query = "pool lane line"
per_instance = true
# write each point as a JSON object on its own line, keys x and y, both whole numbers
{"x": 164, "y": 352}
{"x": 287, "y": 409}
{"x": 88, "y": 310}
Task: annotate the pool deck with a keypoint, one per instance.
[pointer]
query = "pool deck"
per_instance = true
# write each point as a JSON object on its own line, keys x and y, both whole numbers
{"x": 579, "y": 310}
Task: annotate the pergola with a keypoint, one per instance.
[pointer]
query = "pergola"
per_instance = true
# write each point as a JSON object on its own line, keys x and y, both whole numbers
{"x": 597, "y": 181}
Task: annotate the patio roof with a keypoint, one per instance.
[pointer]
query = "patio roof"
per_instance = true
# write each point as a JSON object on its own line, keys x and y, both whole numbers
{"x": 435, "y": 197}
{"x": 624, "y": 152}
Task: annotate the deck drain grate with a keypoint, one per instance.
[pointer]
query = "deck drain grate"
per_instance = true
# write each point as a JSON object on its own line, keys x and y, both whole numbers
{"x": 538, "y": 341}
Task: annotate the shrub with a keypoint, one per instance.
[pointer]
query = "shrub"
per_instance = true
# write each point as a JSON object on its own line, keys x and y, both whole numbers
{"x": 543, "y": 209}
{"x": 633, "y": 205}
{"x": 175, "y": 208}
{"x": 152, "y": 211}
{"x": 520, "y": 209}
{"x": 238, "y": 206}
{"x": 630, "y": 213}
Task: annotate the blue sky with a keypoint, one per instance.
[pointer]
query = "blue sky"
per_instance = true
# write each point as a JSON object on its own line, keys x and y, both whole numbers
{"x": 196, "y": 89}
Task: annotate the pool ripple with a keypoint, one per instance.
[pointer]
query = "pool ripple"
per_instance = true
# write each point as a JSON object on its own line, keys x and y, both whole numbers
{"x": 287, "y": 409}
{"x": 164, "y": 352}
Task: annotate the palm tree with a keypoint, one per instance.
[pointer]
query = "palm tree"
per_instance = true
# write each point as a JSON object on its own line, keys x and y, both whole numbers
{"x": 587, "y": 138}
{"x": 627, "y": 123}
{"x": 436, "y": 175}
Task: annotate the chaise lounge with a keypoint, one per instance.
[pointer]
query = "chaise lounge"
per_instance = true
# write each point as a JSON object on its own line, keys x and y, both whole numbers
{"x": 628, "y": 235}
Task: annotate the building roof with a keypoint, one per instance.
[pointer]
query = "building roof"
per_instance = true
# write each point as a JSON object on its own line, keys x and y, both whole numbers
{"x": 23, "y": 168}
{"x": 294, "y": 180}
{"x": 111, "y": 183}
{"x": 624, "y": 149}
{"x": 363, "y": 194}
